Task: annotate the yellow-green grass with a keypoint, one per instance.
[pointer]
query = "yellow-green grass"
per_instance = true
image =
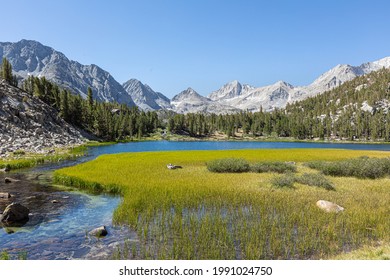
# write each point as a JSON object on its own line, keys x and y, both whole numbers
{"x": 191, "y": 213}
{"x": 27, "y": 160}
{"x": 378, "y": 252}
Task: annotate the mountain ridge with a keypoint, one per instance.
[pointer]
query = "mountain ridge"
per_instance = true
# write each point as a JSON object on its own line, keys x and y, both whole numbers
{"x": 30, "y": 57}
{"x": 277, "y": 95}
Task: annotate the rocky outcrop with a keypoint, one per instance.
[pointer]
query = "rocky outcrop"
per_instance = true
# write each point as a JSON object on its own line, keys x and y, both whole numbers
{"x": 15, "y": 213}
{"x": 329, "y": 207}
{"x": 27, "y": 124}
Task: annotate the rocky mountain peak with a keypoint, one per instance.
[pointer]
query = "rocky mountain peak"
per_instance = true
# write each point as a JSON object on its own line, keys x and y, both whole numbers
{"x": 188, "y": 95}
{"x": 32, "y": 58}
{"x": 283, "y": 84}
{"x": 229, "y": 90}
{"x": 145, "y": 97}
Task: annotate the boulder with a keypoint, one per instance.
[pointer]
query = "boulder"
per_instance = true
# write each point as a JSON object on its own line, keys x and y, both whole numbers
{"x": 9, "y": 230}
{"x": 5, "y": 169}
{"x": 329, "y": 207}
{"x": 4, "y": 195}
{"x": 99, "y": 232}
{"x": 171, "y": 166}
{"x": 14, "y": 213}
{"x": 10, "y": 180}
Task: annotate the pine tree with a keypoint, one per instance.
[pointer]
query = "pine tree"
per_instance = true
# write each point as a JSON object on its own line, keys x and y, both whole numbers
{"x": 90, "y": 98}
{"x": 6, "y": 72}
{"x": 64, "y": 106}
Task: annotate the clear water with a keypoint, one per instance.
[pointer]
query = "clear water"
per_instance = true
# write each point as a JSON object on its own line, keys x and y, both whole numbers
{"x": 58, "y": 230}
{"x": 224, "y": 145}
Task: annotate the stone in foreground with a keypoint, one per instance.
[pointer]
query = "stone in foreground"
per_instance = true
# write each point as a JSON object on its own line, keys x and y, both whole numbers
{"x": 5, "y": 169}
{"x": 99, "y": 232}
{"x": 10, "y": 180}
{"x": 329, "y": 207}
{"x": 15, "y": 213}
{"x": 5, "y": 195}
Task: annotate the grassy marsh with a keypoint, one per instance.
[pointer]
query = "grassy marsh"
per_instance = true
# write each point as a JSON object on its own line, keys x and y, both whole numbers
{"x": 192, "y": 213}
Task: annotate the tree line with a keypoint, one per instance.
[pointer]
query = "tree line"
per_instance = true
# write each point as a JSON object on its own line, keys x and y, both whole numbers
{"x": 107, "y": 120}
{"x": 358, "y": 109}
{"x": 335, "y": 114}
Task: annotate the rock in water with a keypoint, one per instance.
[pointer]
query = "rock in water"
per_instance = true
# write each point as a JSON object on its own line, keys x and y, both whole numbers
{"x": 14, "y": 213}
{"x": 4, "y": 195}
{"x": 10, "y": 180}
{"x": 5, "y": 169}
{"x": 99, "y": 232}
{"x": 329, "y": 207}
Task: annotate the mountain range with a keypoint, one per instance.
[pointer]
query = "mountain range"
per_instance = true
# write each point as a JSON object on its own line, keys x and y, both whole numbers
{"x": 32, "y": 58}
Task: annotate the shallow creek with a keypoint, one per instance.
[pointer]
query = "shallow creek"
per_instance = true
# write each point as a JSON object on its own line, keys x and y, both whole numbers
{"x": 60, "y": 219}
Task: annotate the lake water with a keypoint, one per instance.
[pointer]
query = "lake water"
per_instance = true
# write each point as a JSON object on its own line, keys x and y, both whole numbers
{"x": 58, "y": 230}
{"x": 224, "y": 145}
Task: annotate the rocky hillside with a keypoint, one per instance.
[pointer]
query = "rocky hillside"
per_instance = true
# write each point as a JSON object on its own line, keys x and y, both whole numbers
{"x": 28, "y": 124}
{"x": 32, "y": 58}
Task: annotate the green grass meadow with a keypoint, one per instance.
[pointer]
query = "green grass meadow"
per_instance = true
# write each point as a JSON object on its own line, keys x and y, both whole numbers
{"x": 192, "y": 213}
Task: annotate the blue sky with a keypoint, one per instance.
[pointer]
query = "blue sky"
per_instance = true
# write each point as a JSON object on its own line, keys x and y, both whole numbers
{"x": 171, "y": 45}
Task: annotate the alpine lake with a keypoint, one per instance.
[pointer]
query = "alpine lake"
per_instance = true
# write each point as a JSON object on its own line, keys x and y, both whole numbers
{"x": 61, "y": 217}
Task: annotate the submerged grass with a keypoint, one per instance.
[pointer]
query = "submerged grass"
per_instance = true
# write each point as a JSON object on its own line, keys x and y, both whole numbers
{"x": 191, "y": 213}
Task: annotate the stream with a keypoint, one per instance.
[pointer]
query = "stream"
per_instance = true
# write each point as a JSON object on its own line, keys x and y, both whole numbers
{"x": 60, "y": 218}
